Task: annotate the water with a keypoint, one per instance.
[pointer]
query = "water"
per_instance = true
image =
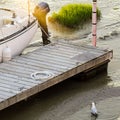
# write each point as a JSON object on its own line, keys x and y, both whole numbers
{"x": 71, "y": 99}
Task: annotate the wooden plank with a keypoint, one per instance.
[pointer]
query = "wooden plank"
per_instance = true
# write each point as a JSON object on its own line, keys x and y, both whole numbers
{"x": 56, "y": 57}
{"x": 2, "y": 88}
{"x": 88, "y": 55}
{"x": 64, "y": 45}
{"x": 84, "y": 48}
{"x": 49, "y": 56}
{"x": 71, "y": 49}
{"x": 68, "y": 58}
{"x": 62, "y": 52}
{"x": 68, "y": 45}
{"x": 25, "y": 71}
{"x": 15, "y": 84}
{"x": 67, "y": 51}
{"x": 6, "y": 94}
{"x": 96, "y": 54}
{"x": 79, "y": 48}
{"x": 42, "y": 63}
{"x": 12, "y": 89}
{"x": 34, "y": 68}
{"x": 37, "y": 65}
{"x": 58, "y": 47}
{"x": 11, "y": 86}
{"x": 20, "y": 80}
{"x": 15, "y": 72}
{"x": 53, "y": 59}
{"x": 1, "y": 99}
{"x": 48, "y": 60}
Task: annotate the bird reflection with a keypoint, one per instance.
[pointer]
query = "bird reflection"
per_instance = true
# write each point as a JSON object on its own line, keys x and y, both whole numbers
{"x": 93, "y": 117}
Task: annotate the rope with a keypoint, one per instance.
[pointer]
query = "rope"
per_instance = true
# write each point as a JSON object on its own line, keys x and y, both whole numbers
{"x": 42, "y": 75}
{"x": 43, "y": 30}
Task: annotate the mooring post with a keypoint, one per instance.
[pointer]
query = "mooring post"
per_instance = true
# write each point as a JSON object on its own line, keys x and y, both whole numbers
{"x": 94, "y": 22}
{"x": 40, "y": 12}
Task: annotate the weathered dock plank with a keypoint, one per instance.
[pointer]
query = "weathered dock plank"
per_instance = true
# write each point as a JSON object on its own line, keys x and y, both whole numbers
{"x": 5, "y": 95}
{"x": 37, "y": 64}
{"x": 20, "y": 78}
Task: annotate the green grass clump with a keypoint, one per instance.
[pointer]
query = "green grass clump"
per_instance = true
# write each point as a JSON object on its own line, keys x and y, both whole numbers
{"x": 74, "y": 15}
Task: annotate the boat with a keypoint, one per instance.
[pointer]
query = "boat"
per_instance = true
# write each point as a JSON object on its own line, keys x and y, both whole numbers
{"x": 16, "y": 32}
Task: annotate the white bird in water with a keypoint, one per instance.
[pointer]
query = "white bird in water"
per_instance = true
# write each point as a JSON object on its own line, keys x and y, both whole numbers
{"x": 94, "y": 110}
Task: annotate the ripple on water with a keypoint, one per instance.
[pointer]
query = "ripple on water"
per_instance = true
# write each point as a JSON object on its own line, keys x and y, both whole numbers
{"x": 115, "y": 77}
{"x": 108, "y": 109}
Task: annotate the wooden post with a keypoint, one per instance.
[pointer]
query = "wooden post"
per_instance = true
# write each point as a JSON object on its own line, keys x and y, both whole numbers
{"x": 94, "y": 22}
{"x": 40, "y": 12}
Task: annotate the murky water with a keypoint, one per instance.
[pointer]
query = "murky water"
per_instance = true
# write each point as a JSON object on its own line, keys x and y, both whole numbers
{"x": 71, "y": 99}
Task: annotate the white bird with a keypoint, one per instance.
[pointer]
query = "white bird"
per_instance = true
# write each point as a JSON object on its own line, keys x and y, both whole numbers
{"x": 94, "y": 110}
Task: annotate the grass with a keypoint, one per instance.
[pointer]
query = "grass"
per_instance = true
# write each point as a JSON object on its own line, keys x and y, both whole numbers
{"x": 74, "y": 15}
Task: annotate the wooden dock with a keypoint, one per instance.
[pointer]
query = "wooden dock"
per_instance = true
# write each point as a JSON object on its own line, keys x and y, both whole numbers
{"x": 29, "y": 74}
